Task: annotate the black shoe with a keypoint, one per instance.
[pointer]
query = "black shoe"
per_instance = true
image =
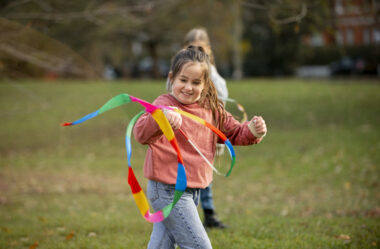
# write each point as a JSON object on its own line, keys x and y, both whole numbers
{"x": 212, "y": 221}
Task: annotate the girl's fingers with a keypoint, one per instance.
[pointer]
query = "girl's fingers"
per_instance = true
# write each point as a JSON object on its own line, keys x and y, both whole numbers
{"x": 259, "y": 129}
{"x": 260, "y": 126}
{"x": 170, "y": 118}
{"x": 176, "y": 121}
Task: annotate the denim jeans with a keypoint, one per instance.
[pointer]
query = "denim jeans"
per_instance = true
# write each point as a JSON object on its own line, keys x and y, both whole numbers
{"x": 206, "y": 198}
{"x": 183, "y": 226}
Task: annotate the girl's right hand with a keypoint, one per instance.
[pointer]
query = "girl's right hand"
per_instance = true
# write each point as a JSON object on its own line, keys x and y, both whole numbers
{"x": 174, "y": 118}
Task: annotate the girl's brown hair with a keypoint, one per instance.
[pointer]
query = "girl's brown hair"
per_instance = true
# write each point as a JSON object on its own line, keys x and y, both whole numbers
{"x": 209, "y": 96}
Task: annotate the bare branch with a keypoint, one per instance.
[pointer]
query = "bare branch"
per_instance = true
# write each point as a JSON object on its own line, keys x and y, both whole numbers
{"x": 296, "y": 18}
{"x": 254, "y": 5}
{"x": 90, "y": 17}
{"x": 88, "y": 13}
{"x": 43, "y": 5}
{"x": 45, "y": 61}
{"x": 15, "y": 4}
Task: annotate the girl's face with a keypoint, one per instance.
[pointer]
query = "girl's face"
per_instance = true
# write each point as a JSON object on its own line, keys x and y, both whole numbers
{"x": 189, "y": 83}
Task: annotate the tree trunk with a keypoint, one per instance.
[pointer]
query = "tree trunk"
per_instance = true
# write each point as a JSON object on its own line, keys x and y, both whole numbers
{"x": 152, "y": 45}
{"x": 237, "y": 37}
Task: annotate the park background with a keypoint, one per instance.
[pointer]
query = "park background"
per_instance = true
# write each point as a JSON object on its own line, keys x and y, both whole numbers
{"x": 310, "y": 68}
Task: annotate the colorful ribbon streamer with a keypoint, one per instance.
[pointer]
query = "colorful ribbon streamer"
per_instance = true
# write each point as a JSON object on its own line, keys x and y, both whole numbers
{"x": 160, "y": 118}
{"x": 137, "y": 191}
{"x": 239, "y": 107}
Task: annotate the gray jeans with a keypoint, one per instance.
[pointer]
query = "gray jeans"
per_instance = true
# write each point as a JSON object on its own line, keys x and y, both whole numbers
{"x": 183, "y": 227}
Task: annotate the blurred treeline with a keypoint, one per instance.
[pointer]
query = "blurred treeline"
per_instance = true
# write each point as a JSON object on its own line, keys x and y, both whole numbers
{"x": 137, "y": 38}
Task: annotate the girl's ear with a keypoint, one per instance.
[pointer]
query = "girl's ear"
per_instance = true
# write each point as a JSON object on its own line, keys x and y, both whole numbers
{"x": 169, "y": 82}
{"x": 170, "y": 77}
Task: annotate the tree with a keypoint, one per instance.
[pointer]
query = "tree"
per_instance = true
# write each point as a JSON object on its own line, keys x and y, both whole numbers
{"x": 102, "y": 31}
{"x": 274, "y": 29}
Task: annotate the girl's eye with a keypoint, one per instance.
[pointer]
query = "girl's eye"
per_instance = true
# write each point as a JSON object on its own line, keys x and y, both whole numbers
{"x": 196, "y": 83}
{"x": 183, "y": 80}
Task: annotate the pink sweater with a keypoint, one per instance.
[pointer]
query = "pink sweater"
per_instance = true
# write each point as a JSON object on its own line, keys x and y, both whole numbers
{"x": 161, "y": 159}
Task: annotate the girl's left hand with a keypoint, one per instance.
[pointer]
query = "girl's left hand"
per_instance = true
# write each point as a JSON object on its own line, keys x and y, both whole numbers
{"x": 258, "y": 126}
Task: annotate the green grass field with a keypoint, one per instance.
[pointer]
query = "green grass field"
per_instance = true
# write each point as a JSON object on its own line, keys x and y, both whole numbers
{"x": 314, "y": 182}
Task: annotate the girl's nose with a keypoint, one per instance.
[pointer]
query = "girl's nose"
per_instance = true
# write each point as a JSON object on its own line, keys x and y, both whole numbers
{"x": 187, "y": 86}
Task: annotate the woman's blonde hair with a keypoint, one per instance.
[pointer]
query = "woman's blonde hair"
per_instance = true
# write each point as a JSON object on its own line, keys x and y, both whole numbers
{"x": 199, "y": 37}
{"x": 209, "y": 96}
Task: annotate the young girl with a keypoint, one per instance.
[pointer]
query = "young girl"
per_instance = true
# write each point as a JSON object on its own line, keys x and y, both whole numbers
{"x": 191, "y": 91}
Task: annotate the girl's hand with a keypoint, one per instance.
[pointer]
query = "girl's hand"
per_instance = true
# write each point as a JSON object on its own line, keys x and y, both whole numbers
{"x": 258, "y": 127}
{"x": 174, "y": 118}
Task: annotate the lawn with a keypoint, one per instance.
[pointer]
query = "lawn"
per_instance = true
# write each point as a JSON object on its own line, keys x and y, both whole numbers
{"x": 314, "y": 181}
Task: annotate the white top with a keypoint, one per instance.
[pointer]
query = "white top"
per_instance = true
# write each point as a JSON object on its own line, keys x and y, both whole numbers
{"x": 219, "y": 83}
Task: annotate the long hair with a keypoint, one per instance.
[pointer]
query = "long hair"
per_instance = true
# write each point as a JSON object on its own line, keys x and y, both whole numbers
{"x": 209, "y": 96}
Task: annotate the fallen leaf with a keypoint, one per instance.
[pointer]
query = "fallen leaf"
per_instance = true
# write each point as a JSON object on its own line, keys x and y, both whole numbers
{"x": 343, "y": 237}
{"x": 35, "y": 245}
{"x": 50, "y": 232}
{"x": 92, "y": 234}
{"x": 24, "y": 239}
{"x": 284, "y": 212}
{"x": 70, "y": 236}
{"x": 42, "y": 219}
{"x": 347, "y": 185}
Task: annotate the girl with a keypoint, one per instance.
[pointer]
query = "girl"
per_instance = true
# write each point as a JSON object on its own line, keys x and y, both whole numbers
{"x": 191, "y": 91}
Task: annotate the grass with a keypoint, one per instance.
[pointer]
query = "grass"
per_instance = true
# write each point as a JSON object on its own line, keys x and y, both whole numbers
{"x": 312, "y": 183}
